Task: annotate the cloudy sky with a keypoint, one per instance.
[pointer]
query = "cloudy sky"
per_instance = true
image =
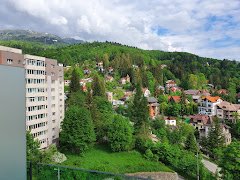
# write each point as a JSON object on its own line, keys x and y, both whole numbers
{"x": 208, "y": 28}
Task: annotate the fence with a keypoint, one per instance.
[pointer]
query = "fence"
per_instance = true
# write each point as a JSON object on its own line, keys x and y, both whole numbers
{"x": 41, "y": 171}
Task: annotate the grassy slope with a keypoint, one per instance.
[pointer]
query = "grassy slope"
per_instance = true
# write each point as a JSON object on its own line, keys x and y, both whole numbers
{"x": 101, "y": 159}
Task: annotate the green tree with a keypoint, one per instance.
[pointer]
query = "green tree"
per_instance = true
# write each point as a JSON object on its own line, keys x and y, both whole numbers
{"x": 74, "y": 85}
{"x": 140, "y": 113}
{"x": 98, "y": 86}
{"x": 77, "y": 133}
{"x": 33, "y": 152}
{"x": 105, "y": 61}
{"x": 230, "y": 161}
{"x": 120, "y": 134}
{"x": 191, "y": 143}
{"x": 215, "y": 137}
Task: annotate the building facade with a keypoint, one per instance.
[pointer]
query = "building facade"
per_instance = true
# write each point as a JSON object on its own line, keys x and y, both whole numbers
{"x": 228, "y": 111}
{"x": 44, "y": 93}
{"x": 208, "y": 105}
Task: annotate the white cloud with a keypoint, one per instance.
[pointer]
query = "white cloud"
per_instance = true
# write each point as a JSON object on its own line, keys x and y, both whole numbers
{"x": 133, "y": 22}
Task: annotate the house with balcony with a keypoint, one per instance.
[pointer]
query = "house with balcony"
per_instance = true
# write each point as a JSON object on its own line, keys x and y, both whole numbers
{"x": 228, "y": 111}
{"x": 208, "y": 105}
{"x": 201, "y": 123}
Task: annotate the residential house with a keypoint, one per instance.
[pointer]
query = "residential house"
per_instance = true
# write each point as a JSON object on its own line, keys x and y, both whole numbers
{"x": 226, "y": 111}
{"x": 108, "y": 78}
{"x": 125, "y": 80}
{"x": 110, "y": 70}
{"x": 127, "y": 95}
{"x": 195, "y": 94}
{"x": 222, "y": 92}
{"x": 163, "y": 66}
{"x": 153, "y": 107}
{"x": 116, "y": 103}
{"x": 86, "y": 71}
{"x": 226, "y": 133}
{"x": 109, "y": 96}
{"x": 146, "y": 92}
{"x": 174, "y": 99}
{"x": 170, "y": 121}
{"x": 201, "y": 123}
{"x": 67, "y": 82}
{"x": 208, "y": 105}
{"x": 175, "y": 89}
{"x": 170, "y": 83}
{"x": 99, "y": 66}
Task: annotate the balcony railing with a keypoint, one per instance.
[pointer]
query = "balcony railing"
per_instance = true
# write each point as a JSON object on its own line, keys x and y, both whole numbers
{"x": 40, "y": 171}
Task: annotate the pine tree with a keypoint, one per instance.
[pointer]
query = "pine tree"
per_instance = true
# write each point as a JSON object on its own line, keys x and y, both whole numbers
{"x": 74, "y": 85}
{"x": 191, "y": 143}
{"x": 140, "y": 113}
{"x": 98, "y": 86}
{"x": 215, "y": 137}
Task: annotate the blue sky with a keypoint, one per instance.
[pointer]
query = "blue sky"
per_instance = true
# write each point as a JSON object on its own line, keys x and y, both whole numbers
{"x": 209, "y": 28}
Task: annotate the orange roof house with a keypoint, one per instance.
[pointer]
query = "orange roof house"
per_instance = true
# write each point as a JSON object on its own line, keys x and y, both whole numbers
{"x": 212, "y": 99}
{"x": 175, "y": 99}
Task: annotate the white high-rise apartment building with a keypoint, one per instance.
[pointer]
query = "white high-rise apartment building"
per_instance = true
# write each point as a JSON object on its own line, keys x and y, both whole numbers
{"x": 44, "y": 93}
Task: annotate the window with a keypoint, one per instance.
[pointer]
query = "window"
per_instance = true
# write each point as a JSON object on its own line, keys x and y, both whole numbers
{"x": 9, "y": 61}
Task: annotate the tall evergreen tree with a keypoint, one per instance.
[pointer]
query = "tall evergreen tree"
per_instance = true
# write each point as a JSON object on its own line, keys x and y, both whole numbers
{"x": 98, "y": 86}
{"x": 215, "y": 137}
{"x": 191, "y": 143}
{"x": 140, "y": 113}
{"x": 74, "y": 85}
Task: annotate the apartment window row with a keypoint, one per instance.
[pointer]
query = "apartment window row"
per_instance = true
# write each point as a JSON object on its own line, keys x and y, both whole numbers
{"x": 35, "y": 81}
{"x": 35, "y": 72}
{"x": 35, "y": 90}
{"x": 39, "y": 133}
{"x": 35, "y": 62}
{"x": 42, "y": 124}
{"x": 36, "y": 99}
{"x": 35, "y": 117}
{"x": 36, "y": 108}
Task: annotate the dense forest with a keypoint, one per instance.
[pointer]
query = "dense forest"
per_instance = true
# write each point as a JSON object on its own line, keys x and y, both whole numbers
{"x": 221, "y": 73}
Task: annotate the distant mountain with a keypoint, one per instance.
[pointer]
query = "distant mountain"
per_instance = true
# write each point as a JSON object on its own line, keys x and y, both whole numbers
{"x": 28, "y": 35}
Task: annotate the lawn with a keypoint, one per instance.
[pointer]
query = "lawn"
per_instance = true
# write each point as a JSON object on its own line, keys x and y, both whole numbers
{"x": 101, "y": 159}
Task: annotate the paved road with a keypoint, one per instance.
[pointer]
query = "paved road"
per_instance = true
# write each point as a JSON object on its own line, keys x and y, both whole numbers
{"x": 210, "y": 166}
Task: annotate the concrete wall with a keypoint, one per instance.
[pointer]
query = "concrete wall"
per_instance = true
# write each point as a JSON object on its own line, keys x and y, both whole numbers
{"x": 12, "y": 123}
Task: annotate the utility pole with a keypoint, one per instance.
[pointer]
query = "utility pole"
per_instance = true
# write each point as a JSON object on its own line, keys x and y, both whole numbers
{"x": 197, "y": 167}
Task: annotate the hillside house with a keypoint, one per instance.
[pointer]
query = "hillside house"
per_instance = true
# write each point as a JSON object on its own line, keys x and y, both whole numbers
{"x": 195, "y": 94}
{"x": 226, "y": 111}
{"x": 87, "y": 71}
{"x": 67, "y": 82}
{"x": 170, "y": 121}
{"x": 146, "y": 92}
{"x": 109, "y": 96}
{"x": 109, "y": 78}
{"x": 222, "y": 92}
{"x": 170, "y": 83}
{"x": 153, "y": 107}
{"x": 110, "y": 70}
{"x": 226, "y": 133}
{"x": 208, "y": 105}
{"x": 99, "y": 66}
{"x": 201, "y": 123}
{"x": 125, "y": 80}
